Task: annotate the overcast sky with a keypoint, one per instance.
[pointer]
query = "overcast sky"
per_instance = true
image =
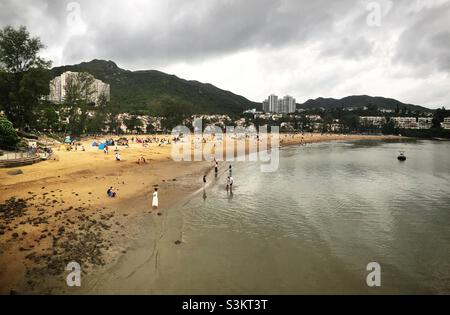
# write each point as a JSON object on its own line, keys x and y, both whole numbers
{"x": 307, "y": 49}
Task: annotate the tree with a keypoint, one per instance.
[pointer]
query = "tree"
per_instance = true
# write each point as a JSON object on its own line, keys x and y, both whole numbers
{"x": 351, "y": 122}
{"x": 79, "y": 89}
{"x": 46, "y": 118}
{"x": 439, "y": 116}
{"x": 173, "y": 111}
{"x": 150, "y": 128}
{"x": 112, "y": 120}
{"x": 8, "y": 135}
{"x": 133, "y": 123}
{"x": 51, "y": 118}
{"x": 79, "y": 92}
{"x": 97, "y": 121}
{"x": 327, "y": 122}
{"x": 23, "y": 79}
{"x": 389, "y": 128}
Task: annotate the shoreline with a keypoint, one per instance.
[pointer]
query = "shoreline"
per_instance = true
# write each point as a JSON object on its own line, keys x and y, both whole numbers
{"x": 115, "y": 223}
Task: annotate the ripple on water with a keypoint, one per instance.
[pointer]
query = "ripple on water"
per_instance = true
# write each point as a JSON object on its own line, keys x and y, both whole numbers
{"x": 334, "y": 206}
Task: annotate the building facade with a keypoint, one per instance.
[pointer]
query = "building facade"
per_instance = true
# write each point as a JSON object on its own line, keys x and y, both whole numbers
{"x": 289, "y": 105}
{"x": 58, "y": 87}
{"x": 265, "y": 106}
{"x": 376, "y": 121}
{"x": 413, "y": 122}
{"x": 405, "y": 122}
{"x": 446, "y": 123}
{"x": 273, "y": 103}
{"x": 285, "y": 105}
{"x": 424, "y": 122}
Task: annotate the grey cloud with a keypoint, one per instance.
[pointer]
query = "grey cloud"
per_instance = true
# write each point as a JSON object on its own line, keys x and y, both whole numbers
{"x": 189, "y": 30}
{"x": 226, "y": 26}
{"x": 426, "y": 43}
{"x": 347, "y": 47}
{"x": 160, "y": 34}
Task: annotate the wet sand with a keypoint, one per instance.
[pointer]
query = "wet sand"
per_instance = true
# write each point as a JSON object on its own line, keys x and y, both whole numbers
{"x": 57, "y": 211}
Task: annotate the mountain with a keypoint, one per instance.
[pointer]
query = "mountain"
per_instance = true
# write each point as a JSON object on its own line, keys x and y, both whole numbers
{"x": 134, "y": 91}
{"x": 146, "y": 91}
{"x": 359, "y": 101}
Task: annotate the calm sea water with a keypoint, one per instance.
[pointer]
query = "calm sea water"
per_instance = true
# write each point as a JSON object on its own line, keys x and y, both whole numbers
{"x": 315, "y": 224}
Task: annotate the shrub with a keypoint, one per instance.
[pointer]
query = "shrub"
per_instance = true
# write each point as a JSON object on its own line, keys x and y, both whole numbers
{"x": 8, "y": 135}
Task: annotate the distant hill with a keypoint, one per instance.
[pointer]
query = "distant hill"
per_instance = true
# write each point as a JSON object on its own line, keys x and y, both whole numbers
{"x": 359, "y": 101}
{"x": 141, "y": 90}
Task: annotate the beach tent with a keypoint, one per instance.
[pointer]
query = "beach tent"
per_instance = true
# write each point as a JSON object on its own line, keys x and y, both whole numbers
{"x": 94, "y": 143}
{"x": 101, "y": 146}
{"x": 67, "y": 140}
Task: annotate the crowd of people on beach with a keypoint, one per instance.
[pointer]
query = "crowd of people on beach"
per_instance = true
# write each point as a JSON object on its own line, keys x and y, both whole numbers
{"x": 73, "y": 146}
{"x": 111, "y": 193}
{"x": 145, "y": 141}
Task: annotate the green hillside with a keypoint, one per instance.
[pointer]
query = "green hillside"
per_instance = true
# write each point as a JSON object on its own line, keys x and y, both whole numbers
{"x": 359, "y": 101}
{"x": 147, "y": 91}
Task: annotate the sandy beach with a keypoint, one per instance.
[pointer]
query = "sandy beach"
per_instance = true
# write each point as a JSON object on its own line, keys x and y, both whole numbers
{"x": 57, "y": 211}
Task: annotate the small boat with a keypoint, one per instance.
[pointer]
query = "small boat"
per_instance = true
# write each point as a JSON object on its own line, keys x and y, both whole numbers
{"x": 401, "y": 156}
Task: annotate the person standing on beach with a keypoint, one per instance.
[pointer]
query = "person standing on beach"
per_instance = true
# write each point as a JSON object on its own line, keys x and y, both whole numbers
{"x": 204, "y": 180}
{"x": 229, "y": 170}
{"x": 216, "y": 168}
{"x": 155, "y": 199}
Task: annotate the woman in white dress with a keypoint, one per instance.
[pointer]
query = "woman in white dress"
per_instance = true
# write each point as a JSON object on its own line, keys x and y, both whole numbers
{"x": 155, "y": 199}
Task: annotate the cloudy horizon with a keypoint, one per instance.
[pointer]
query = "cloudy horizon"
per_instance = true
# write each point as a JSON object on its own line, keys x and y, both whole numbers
{"x": 307, "y": 49}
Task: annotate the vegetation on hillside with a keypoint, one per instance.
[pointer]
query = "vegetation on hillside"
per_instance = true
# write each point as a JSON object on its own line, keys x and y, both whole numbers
{"x": 24, "y": 85}
{"x": 148, "y": 92}
{"x": 359, "y": 101}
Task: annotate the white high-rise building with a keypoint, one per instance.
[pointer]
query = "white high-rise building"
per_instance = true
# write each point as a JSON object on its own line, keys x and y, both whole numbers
{"x": 279, "y": 108}
{"x": 265, "y": 106}
{"x": 289, "y": 105}
{"x": 58, "y": 87}
{"x": 285, "y": 105}
{"x": 273, "y": 103}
